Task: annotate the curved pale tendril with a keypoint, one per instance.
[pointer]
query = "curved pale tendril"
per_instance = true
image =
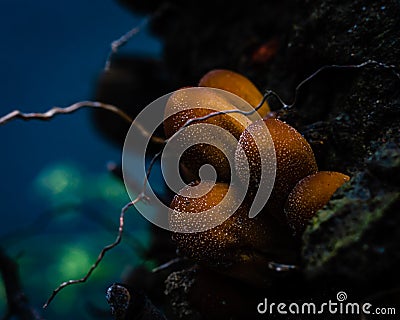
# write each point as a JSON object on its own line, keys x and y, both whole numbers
{"x": 16, "y": 114}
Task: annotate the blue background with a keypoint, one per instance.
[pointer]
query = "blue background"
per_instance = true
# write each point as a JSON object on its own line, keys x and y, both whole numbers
{"x": 52, "y": 53}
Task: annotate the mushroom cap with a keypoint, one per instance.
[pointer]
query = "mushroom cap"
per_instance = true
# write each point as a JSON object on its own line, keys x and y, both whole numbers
{"x": 231, "y": 240}
{"x": 192, "y": 103}
{"x": 294, "y": 161}
{"x": 309, "y": 195}
{"x": 236, "y": 83}
{"x": 195, "y": 102}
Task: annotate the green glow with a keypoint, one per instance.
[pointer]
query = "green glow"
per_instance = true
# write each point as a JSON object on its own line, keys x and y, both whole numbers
{"x": 74, "y": 261}
{"x": 3, "y": 302}
{"x": 110, "y": 189}
{"x": 58, "y": 180}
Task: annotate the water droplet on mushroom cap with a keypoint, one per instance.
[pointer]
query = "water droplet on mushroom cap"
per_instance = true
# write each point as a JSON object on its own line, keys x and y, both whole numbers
{"x": 309, "y": 195}
{"x": 192, "y": 103}
{"x": 294, "y": 161}
{"x": 228, "y": 241}
{"x": 236, "y": 83}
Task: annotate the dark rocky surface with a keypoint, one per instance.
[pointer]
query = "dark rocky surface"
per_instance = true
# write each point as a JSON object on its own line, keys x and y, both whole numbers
{"x": 351, "y": 117}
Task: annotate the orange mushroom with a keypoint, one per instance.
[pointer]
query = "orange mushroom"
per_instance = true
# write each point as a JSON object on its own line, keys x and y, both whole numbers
{"x": 192, "y": 103}
{"x": 236, "y": 83}
{"x": 294, "y": 161}
{"x": 310, "y": 195}
{"x": 234, "y": 239}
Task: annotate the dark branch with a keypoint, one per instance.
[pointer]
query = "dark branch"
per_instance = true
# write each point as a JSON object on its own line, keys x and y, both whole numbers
{"x": 101, "y": 255}
{"x": 17, "y": 302}
{"x": 16, "y": 114}
{"x": 125, "y": 38}
{"x": 378, "y": 64}
{"x": 54, "y": 111}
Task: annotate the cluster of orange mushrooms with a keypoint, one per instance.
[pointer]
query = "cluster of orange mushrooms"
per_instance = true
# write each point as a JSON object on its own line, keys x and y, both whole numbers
{"x": 299, "y": 191}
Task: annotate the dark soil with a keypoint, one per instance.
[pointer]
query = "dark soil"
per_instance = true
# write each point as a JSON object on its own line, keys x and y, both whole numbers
{"x": 351, "y": 117}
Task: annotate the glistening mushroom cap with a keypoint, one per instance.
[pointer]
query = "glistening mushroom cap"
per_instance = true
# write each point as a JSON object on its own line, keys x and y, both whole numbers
{"x": 228, "y": 242}
{"x": 311, "y": 194}
{"x": 294, "y": 161}
{"x": 236, "y": 83}
{"x": 208, "y": 145}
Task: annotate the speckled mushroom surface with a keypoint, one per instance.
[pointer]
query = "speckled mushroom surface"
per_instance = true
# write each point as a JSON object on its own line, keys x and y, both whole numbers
{"x": 311, "y": 194}
{"x": 236, "y": 83}
{"x": 229, "y": 240}
{"x": 294, "y": 160}
{"x": 193, "y": 103}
